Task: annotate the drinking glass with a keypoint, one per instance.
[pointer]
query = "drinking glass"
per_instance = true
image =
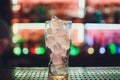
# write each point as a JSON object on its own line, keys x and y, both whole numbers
{"x": 57, "y": 40}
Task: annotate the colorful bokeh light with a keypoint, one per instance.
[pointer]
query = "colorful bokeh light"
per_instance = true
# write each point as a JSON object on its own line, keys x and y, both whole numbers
{"x": 21, "y": 40}
{"x": 14, "y": 39}
{"x": 25, "y": 51}
{"x": 91, "y": 50}
{"x": 32, "y": 50}
{"x": 40, "y": 50}
{"x": 112, "y": 48}
{"x": 74, "y": 51}
{"x": 118, "y": 50}
{"x": 17, "y": 51}
{"x": 102, "y": 50}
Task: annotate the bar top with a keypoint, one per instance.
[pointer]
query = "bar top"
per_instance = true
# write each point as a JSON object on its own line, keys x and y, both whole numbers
{"x": 75, "y": 73}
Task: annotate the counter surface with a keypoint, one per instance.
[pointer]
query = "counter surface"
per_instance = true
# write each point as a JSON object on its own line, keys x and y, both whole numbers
{"x": 75, "y": 73}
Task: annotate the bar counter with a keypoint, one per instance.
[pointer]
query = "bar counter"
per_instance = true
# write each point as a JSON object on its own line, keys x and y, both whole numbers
{"x": 75, "y": 73}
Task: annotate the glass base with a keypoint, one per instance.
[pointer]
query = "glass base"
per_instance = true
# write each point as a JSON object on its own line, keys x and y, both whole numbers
{"x": 58, "y": 77}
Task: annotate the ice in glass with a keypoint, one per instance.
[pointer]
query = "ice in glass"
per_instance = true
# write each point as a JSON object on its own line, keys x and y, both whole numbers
{"x": 57, "y": 40}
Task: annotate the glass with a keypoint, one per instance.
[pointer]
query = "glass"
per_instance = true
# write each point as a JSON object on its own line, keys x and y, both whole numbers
{"x": 57, "y": 40}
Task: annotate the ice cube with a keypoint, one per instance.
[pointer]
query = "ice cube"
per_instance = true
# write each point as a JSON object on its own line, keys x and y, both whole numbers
{"x": 50, "y": 42}
{"x": 64, "y": 54}
{"x": 61, "y": 69}
{"x": 54, "y": 18}
{"x": 52, "y": 31}
{"x": 66, "y": 45}
{"x": 60, "y": 38}
{"x": 57, "y": 48}
{"x": 54, "y": 24}
{"x": 49, "y": 30}
{"x": 56, "y": 59}
{"x": 55, "y": 21}
{"x": 63, "y": 41}
{"x": 58, "y": 69}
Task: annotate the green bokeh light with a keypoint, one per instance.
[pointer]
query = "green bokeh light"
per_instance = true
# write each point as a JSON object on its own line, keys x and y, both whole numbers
{"x": 17, "y": 51}
{"x": 20, "y": 40}
{"x": 74, "y": 51}
{"x": 41, "y": 9}
{"x": 14, "y": 39}
{"x": 112, "y": 48}
{"x": 40, "y": 50}
{"x": 25, "y": 51}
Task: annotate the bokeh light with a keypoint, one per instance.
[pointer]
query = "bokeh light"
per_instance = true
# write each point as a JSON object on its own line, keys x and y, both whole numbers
{"x": 14, "y": 39}
{"x": 74, "y": 51}
{"x": 14, "y": 1}
{"x": 16, "y": 7}
{"x": 20, "y": 40}
{"x": 25, "y": 51}
{"x": 40, "y": 50}
{"x": 118, "y": 50}
{"x": 91, "y": 50}
{"x": 32, "y": 50}
{"x": 112, "y": 48}
{"x": 17, "y": 51}
{"x": 102, "y": 50}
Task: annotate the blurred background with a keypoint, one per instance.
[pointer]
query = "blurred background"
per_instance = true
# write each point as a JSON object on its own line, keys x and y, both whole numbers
{"x": 95, "y": 31}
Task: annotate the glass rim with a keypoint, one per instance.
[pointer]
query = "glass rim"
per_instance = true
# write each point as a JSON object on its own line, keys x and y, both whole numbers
{"x": 64, "y": 21}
